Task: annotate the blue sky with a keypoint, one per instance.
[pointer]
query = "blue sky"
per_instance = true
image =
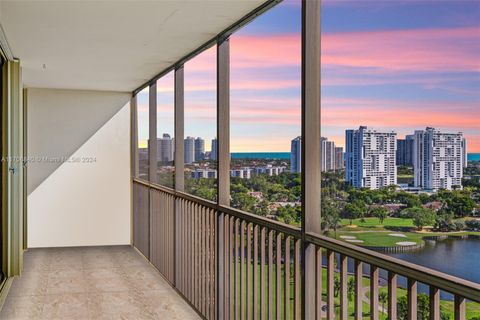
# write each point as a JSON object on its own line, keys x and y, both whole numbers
{"x": 400, "y": 65}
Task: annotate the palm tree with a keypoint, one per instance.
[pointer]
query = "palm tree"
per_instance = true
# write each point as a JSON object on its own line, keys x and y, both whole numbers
{"x": 383, "y": 297}
{"x": 350, "y": 288}
{"x": 336, "y": 287}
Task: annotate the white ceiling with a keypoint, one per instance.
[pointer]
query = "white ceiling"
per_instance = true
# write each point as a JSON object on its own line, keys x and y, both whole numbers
{"x": 110, "y": 45}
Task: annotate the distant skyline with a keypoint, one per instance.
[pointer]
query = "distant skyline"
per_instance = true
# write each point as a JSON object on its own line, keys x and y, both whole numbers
{"x": 390, "y": 65}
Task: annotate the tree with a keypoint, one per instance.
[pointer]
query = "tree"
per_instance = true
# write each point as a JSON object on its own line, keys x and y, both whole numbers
{"x": 383, "y": 298}
{"x": 380, "y": 212}
{"x": 350, "y": 289}
{"x": 421, "y": 216}
{"x": 330, "y": 215}
{"x": 461, "y": 204}
{"x": 243, "y": 201}
{"x": 423, "y": 308}
{"x": 355, "y": 210}
{"x": 336, "y": 286}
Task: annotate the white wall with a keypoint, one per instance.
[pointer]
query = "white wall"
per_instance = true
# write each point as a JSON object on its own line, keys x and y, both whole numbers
{"x": 78, "y": 203}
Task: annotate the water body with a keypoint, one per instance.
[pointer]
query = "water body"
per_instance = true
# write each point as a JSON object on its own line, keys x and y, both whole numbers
{"x": 458, "y": 257}
{"x": 286, "y": 155}
{"x": 261, "y": 155}
{"x": 473, "y": 157}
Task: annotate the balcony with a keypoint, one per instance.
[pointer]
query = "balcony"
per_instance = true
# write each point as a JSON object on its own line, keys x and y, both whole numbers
{"x": 126, "y": 237}
{"x": 230, "y": 264}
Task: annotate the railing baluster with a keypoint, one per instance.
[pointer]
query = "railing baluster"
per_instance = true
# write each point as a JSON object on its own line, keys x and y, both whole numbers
{"x": 207, "y": 263}
{"x": 233, "y": 273}
{"x": 343, "y": 287}
{"x": 278, "y": 268}
{"x": 297, "y": 279}
{"x": 270, "y": 274}
{"x": 255, "y": 272}
{"x": 237, "y": 269}
{"x": 203, "y": 262}
{"x": 184, "y": 245}
{"x": 434, "y": 303}
{"x": 392, "y": 296}
{"x": 249, "y": 271}
{"x": 358, "y": 289}
{"x": 226, "y": 263}
{"x": 319, "y": 284}
{"x": 196, "y": 259}
{"x": 373, "y": 292}
{"x": 287, "y": 278}
{"x": 242, "y": 271}
{"x": 213, "y": 261}
{"x": 263, "y": 241}
{"x": 460, "y": 307}
{"x": 330, "y": 285}
{"x": 412, "y": 299}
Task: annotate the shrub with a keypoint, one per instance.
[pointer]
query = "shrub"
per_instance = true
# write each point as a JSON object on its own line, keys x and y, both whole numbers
{"x": 473, "y": 225}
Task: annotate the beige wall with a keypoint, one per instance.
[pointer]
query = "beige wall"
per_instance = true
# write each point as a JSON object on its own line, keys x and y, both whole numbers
{"x": 86, "y": 200}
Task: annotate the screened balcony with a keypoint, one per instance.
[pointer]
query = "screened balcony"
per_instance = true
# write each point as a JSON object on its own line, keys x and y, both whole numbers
{"x": 134, "y": 235}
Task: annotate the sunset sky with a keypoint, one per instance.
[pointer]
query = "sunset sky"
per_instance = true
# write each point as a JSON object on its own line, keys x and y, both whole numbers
{"x": 400, "y": 65}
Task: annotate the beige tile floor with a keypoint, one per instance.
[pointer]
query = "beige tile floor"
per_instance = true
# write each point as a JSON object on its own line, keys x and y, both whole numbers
{"x": 92, "y": 283}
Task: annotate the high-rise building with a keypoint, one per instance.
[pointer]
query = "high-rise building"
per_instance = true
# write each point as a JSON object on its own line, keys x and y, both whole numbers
{"x": 370, "y": 158}
{"x": 189, "y": 150}
{"x": 165, "y": 148}
{"x": 339, "y": 162}
{"x": 405, "y": 151}
{"x": 465, "y": 153}
{"x": 438, "y": 159}
{"x": 199, "y": 149}
{"x": 214, "y": 152}
{"x": 327, "y": 154}
{"x": 204, "y": 173}
{"x": 296, "y": 155}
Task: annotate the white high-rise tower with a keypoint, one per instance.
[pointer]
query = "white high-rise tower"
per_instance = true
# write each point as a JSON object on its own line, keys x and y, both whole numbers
{"x": 370, "y": 158}
{"x": 438, "y": 159}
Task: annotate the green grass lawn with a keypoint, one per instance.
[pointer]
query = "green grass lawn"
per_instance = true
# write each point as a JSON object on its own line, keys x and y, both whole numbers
{"x": 381, "y": 239}
{"x": 473, "y": 308}
{"x": 375, "y": 223}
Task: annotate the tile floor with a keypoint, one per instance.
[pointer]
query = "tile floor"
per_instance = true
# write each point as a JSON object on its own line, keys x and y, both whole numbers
{"x": 92, "y": 283}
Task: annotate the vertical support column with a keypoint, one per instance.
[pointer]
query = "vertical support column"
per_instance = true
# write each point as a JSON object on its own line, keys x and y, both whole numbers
{"x": 152, "y": 158}
{"x": 179, "y": 130}
{"x": 310, "y": 144}
{"x": 179, "y": 160}
{"x": 152, "y": 133}
{"x": 223, "y": 121}
{"x": 12, "y": 148}
{"x": 134, "y": 136}
{"x": 133, "y": 155}
{"x": 223, "y": 158}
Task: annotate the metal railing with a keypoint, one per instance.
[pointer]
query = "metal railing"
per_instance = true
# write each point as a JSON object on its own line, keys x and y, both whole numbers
{"x": 230, "y": 264}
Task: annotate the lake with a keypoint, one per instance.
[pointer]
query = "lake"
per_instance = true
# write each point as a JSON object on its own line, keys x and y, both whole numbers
{"x": 458, "y": 257}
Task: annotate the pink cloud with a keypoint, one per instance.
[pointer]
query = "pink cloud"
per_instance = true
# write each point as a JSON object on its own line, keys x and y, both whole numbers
{"x": 264, "y": 51}
{"x": 454, "y": 49}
